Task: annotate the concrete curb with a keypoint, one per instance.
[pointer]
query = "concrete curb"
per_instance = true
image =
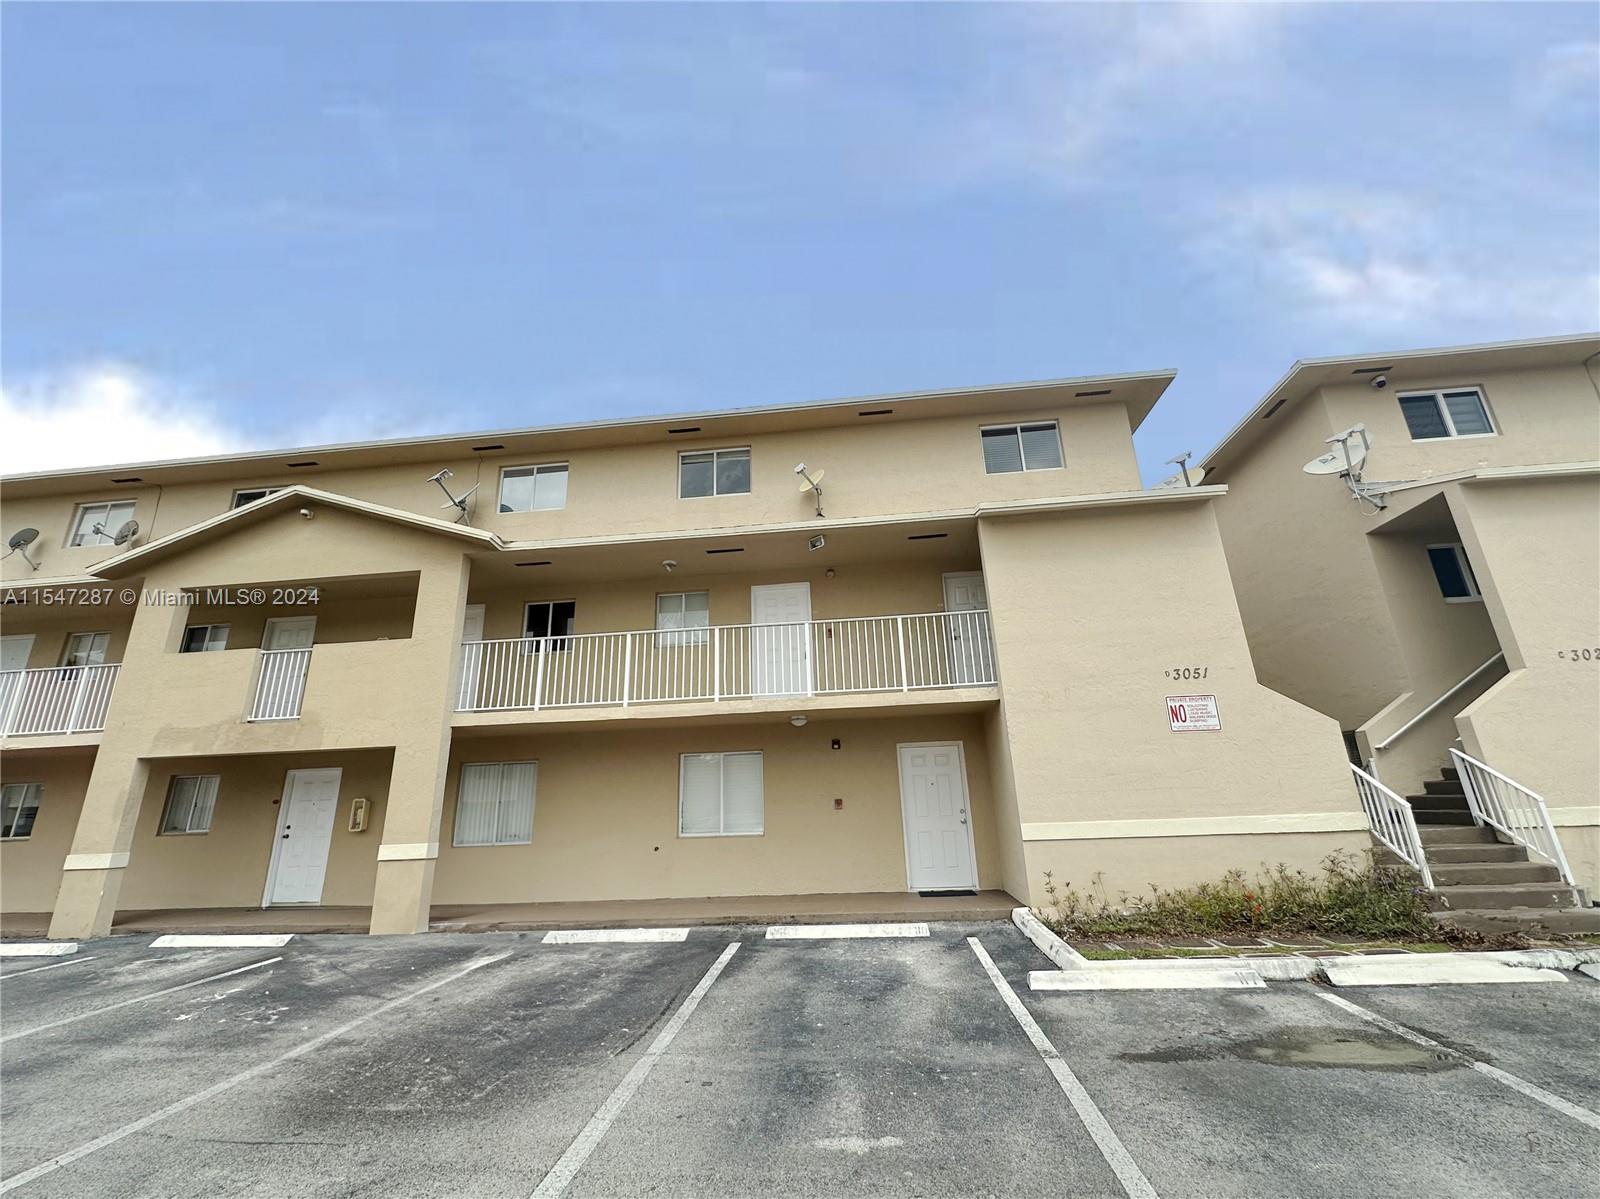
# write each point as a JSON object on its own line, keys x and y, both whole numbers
{"x": 1052, "y": 946}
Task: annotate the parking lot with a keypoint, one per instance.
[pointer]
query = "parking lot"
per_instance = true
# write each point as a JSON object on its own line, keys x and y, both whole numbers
{"x": 729, "y": 1064}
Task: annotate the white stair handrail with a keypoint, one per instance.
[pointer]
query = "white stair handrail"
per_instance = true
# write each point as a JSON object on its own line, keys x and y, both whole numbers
{"x": 1510, "y": 808}
{"x": 1435, "y": 705}
{"x": 1392, "y": 822}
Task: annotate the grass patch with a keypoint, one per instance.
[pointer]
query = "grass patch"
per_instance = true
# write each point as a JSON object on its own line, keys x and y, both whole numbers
{"x": 1349, "y": 898}
{"x": 1143, "y": 952}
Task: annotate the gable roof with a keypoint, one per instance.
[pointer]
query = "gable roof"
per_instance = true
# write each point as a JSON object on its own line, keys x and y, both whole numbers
{"x": 136, "y": 559}
{"x": 1308, "y": 374}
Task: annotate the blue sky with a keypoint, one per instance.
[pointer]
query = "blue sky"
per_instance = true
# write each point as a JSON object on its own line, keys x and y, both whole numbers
{"x": 229, "y": 226}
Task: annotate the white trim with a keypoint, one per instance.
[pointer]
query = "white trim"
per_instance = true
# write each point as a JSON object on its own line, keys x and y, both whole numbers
{"x": 966, "y": 792}
{"x": 410, "y": 851}
{"x": 283, "y": 813}
{"x": 95, "y": 861}
{"x": 1196, "y": 826}
{"x": 1575, "y": 817}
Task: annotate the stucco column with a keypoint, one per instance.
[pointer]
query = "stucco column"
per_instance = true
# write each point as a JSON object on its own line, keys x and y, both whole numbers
{"x": 414, "y": 811}
{"x": 91, "y": 876}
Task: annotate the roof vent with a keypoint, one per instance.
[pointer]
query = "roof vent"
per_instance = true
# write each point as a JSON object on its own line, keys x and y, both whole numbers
{"x": 130, "y": 479}
{"x": 308, "y": 462}
{"x": 1104, "y": 391}
{"x": 926, "y": 536}
{"x": 732, "y": 549}
{"x": 545, "y": 562}
{"x": 876, "y": 412}
{"x": 686, "y": 429}
{"x": 478, "y": 449}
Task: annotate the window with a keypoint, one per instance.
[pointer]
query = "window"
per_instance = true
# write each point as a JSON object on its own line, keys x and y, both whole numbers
{"x": 251, "y": 494}
{"x": 1457, "y": 583}
{"x": 549, "y": 618}
{"x": 719, "y": 795}
{"x": 533, "y": 488}
{"x": 97, "y": 524}
{"x": 495, "y": 803}
{"x": 204, "y": 639}
{"x": 1010, "y": 448}
{"x": 191, "y": 799}
{"x": 1437, "y": 414}
{"x": 85, "y": 649}
{"x": 713, "y": 472}
{"x": 683, "y": 610}
{"x": 19, "y": 804}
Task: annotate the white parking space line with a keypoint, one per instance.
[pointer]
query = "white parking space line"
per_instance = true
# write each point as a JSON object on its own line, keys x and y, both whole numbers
{"x": 101, "y": 1011}
{"x": 37, "y": 949}
{"x": 828, "y": 932}
{"x": 1521, "y": 1085}
{"x": 588, "y": 936}
{"x": 182, "y": 1105}
{"x": 1105, "y": 1138}
{"x": 222, "y": 941}
{"x": 567, "y": 1166}
{"x": 52, "y": 966}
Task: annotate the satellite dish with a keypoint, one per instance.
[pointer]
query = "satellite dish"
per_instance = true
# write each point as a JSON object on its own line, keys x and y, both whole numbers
{"x": 19, "y": 543}
{"x": 1345, "y": 457}
{"x": 458, "y": 502}
{"x": 128, "y": 531}
{"x": 812, "y": 482}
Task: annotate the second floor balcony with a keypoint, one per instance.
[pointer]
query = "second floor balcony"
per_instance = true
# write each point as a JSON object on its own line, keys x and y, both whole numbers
{"x": 717, "y": 663}
{"x": 56, "y": 700}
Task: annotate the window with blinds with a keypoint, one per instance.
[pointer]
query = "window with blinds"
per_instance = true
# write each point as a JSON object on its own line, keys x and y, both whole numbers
{"x": 1010, "y": 448}
{"x": 684, "y": 617}
{"x": 19, "y": 804}
{"x": 720, "y": 795}
{"x": 191, "y": 798}
{"x": 494, "y": 805}
{"x": 1435, "y": 415}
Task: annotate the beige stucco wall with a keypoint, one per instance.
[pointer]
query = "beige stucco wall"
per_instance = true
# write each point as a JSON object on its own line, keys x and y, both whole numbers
{"x": 606, "y": 812}
{"x": 30, "y": 869}
{"x": 1090, "y": 610}
{"x": 937, "y": 465}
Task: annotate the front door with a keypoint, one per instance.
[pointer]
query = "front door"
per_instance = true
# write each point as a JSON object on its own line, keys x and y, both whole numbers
{"x": 780, "y": 639}
{"x": 305, "y": 829}
{"x": 14, "y": 652}
{"x": 967, "y": 636}
{"x": 933, "y": 804}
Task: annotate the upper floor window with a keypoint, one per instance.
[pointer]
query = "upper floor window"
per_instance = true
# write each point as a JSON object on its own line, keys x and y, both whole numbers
{"x": 713, "y": 472}
{"x": 686, "y": 613}
{"x": 550, "y": 618}
{"x": 250, "y": 495}
{"x": 19, "y": 804}
{"x": 1457, "y": 583}
{"x": 1432, "y": 415}
{"x": 204, "y": 639}
{"x": 85, "y": 649}
{"x": 533, "y": 488}
{"x": 97, "y": 524}
{"x": 191, "y": 798}
{"x": 1010, "y": 448}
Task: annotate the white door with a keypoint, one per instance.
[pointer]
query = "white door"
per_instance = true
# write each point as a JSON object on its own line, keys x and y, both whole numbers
{"x": 14, "y": 651}
{"x": 305, "y": 828}
{"x": 933, "y": 805}
{"x": 471, "y": 656}
{"x": 780, "y": 644}
{"x": 971, "y": 657}
{"x": 290, "y": 632}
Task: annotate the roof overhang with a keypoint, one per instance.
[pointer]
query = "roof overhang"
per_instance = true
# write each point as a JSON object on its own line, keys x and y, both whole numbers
{"x": 1307, "y": 375}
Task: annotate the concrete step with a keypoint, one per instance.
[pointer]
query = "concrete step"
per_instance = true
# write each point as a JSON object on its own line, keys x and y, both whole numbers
{"x": 1457, "y": 836}
{"x": 1462, "y": 817}
{"x": 1466, "y": 896}
{"x": 1445, "y": 855}
{"x": 1110, "y": 976}
{"x": 1424, "y": 970}
{"x": 1444, "y": 787}
{"x": 1452, "y": 874}
{"x": 1438, "y": 803}
{"x": 1450, "y": 772}
{"x": 1532, "y": 922}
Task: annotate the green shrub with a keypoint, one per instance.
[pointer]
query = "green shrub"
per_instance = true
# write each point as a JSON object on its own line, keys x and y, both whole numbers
{"x": 1350, "y": 898}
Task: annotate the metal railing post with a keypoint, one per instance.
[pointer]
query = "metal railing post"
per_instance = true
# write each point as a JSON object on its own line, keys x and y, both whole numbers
{"x": 716, "y": 664}
{"x": 900, "y": 640}
{"x": 538, "y": 672}
{"x": 627, "y": 666}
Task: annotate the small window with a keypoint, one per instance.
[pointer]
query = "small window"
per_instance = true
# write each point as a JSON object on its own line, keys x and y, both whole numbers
{"x": 204, "y": 639}
{"x": 85, "y": 649}
{"x": 1010, "y": 448}
{"x": 191, "y": 798}
{"x": 533, "y": 488}
{"x": 97, "y": 524}
{"x": 687, "y": 614}
{"x": 549, "y": 618}
{"x": 495, "y": 804}
{"x": 251, "y": 494}
{"x": 720, "y": 795}
{"x": 713, "y": 472}
{"x": 1457, "y": 583}
{"x": 1434, "y": 415}
{"x": 19, "y": 804}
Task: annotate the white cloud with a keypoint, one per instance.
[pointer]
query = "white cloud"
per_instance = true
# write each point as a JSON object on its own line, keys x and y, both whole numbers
{"x": 101, "y": 415}
{"x": 1569, "y": 71}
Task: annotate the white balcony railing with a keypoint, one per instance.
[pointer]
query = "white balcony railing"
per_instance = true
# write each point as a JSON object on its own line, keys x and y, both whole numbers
{"x": 62, "y": 699}
{"x": 726, "y": 662}
{"x": 1508, "y": 807}
{"x": 1392, "y": 822}
{"x": 280, "y": 684}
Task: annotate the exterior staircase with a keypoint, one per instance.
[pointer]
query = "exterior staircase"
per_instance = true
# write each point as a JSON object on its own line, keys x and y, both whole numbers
{"x": 1483, "y": 883}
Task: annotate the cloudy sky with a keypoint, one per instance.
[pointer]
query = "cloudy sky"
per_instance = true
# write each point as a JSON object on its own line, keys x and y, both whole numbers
{"x": 246, "y": 226}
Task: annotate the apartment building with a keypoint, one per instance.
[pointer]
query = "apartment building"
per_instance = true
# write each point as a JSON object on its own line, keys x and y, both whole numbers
{"x": 1445, "y": 595}
{"x": 915, "y": 643}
